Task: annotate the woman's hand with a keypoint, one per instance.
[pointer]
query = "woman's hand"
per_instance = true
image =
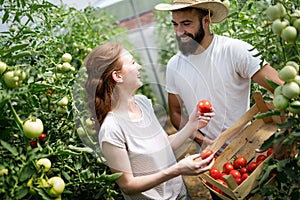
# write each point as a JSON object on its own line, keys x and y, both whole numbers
{"x": 199, "y": 120}
{"x": 192, "y": 165}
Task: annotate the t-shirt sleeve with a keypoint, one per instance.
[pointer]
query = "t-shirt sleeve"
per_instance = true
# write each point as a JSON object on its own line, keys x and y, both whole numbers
{"x": 110, "y": 132}
{"x": 247, "y": 58}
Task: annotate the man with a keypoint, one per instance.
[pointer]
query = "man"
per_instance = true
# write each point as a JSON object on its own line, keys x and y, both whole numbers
{"x": 211, "y": 67}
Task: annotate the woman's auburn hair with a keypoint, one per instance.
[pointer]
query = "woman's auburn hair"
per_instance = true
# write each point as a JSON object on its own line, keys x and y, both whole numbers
{"x": 99, "y": 87}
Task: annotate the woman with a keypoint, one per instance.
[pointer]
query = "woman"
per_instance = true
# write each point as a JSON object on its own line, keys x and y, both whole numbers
{"x": 131, "y": 138}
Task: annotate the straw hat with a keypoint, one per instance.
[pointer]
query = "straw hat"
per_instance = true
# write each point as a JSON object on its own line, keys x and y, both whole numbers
{"x": 218, "y": 9}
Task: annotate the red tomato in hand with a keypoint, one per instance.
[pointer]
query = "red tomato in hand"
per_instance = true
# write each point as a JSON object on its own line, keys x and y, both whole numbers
{"x": 235, "y": 173}
{"x": 215, "y": 173}
{"x": 240, "y": 162}
{"x": 251, "y": 166}
{"x": 227, "y": 167}
{"x": 204, "y": 106}
{"x": 206, "y": 153}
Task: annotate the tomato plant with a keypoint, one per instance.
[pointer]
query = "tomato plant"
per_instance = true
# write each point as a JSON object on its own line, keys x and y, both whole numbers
{"x": 204, "y": 106}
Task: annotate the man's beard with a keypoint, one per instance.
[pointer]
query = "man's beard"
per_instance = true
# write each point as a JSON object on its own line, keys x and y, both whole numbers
{"x": 192, "y": 45}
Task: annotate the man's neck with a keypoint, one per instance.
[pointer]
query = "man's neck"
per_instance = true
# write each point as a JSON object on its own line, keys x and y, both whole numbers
{"x": 204, "y": 43}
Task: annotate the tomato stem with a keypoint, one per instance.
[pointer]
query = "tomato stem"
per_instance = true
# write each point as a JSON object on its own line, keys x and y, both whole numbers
{"x": 16, "y": 116}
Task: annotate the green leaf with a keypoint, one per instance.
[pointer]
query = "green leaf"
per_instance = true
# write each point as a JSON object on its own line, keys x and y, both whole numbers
{"x": 5, "y": 17}
{"x": 21, "y": 192}
{"x": 267, "y": 143}
{"x": 272, "y": 84}
{"x": 26, "y": 173}
{"x": 10, "y": 148}
{"x": 268, "y": 114}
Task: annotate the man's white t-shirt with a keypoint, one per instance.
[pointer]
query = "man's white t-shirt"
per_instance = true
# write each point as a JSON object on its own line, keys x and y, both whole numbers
{"x": 221, "y": 74}
{"x": 148, "y": 149}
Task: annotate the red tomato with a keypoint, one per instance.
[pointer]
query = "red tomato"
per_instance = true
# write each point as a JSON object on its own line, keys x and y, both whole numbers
{"x": 244, "y": 176}
{"x": 215, "y": 173}
{"x": 235, "y": 173}
{"x": 240, "y": 162}
{"x": 260, "y": 158}
{"x": 238, "y": 180}
{"x": 204, "y": 106}
{"x": 217, "y": 189}
{"x": 251, "y": 166}
{"x": 206, "y": 153}
{"x": 243, "y": 170}
{"x": 269, "y": 152}
{"x": 33, "y": 143}
{"x": 227, "y": 167}
{"x": 43, "y": 137}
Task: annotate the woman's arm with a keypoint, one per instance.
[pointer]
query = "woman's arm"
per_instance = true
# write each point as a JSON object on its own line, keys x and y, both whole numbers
{"x": 118, "y": 161}
{"x": 195, "y": 122}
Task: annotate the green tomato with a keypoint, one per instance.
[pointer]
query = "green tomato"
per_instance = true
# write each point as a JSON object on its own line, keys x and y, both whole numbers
{"x": 294, "y": 64}
{"x": 273, "y": 12}
{"x": 63, "y": 102}
{"x": 291, "y": 90}
{"x": 294, "y": 107}
{"x": 66, "y": 67}
{"x": 278, "y": 25}
{"x": 296, "y": 24}
{"x": 45, "y": 162}
{"x": 280, "y": 102}
{"x": 33, "y": 127}
{"x": 289, "y": 34}
{"x": 9, "y": 79}
{"x": 287, "y": 73}
{"x": 3, "y": 67}
{"x": 66, "y": 57}
{"x": 57, "y": 186}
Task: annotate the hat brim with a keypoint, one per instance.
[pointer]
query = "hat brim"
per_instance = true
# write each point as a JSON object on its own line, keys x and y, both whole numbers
{"x": 219, "y": 10}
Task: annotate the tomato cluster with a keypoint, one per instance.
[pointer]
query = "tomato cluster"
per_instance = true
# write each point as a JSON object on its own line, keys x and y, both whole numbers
{"x": 239, "y": 169}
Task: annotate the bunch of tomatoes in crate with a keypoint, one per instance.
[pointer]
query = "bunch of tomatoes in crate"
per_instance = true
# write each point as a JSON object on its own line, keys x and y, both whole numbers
{"x": 240, "y": 169}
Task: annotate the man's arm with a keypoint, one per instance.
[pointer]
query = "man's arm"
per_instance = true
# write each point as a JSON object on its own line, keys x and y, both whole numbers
{"x": 178, "y": 119}
{"x": 267, "y": 72}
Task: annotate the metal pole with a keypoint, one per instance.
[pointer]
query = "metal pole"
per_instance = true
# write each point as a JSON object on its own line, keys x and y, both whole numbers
{"x": 148, "y": 53}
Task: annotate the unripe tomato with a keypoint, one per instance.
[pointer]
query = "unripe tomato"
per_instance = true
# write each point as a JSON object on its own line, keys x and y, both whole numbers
{"x": 287, "y": 73}
{"x": 58, "y": 186}
{"x": 226, "y": 3}
{"x": 291, "y": 90}
{"x": 63, "y": 102}
{"x": 278, "y": 25}
{"x": 204, "y": 106}
{"x": 273, "y": 12}
{"x": 3, "y": 67}
{"x": 296, "y": 24}
{"x": 278, "y": 90}
{"x": 280, "y": 102}
{"x": 294, "y": 107}
{"x": 33, "y": 127}
{"x": 66, "y": 67}
{"x": 45, "y": 162}
{"x": 9, "y": 80}
{"x": 294, "y": 64}
{"x": 289, "y": 34}
{"x": 66, "y": 57}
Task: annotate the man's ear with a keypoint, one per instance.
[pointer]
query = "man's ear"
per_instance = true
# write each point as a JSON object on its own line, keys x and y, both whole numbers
{"x": 117, "y": 77}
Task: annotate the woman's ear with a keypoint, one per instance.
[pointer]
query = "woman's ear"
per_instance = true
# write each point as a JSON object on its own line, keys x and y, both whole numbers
{"x": 118, "y": 78}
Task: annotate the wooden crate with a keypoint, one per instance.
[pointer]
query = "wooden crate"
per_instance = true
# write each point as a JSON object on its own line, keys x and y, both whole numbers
{"x": 250, "y": 137}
